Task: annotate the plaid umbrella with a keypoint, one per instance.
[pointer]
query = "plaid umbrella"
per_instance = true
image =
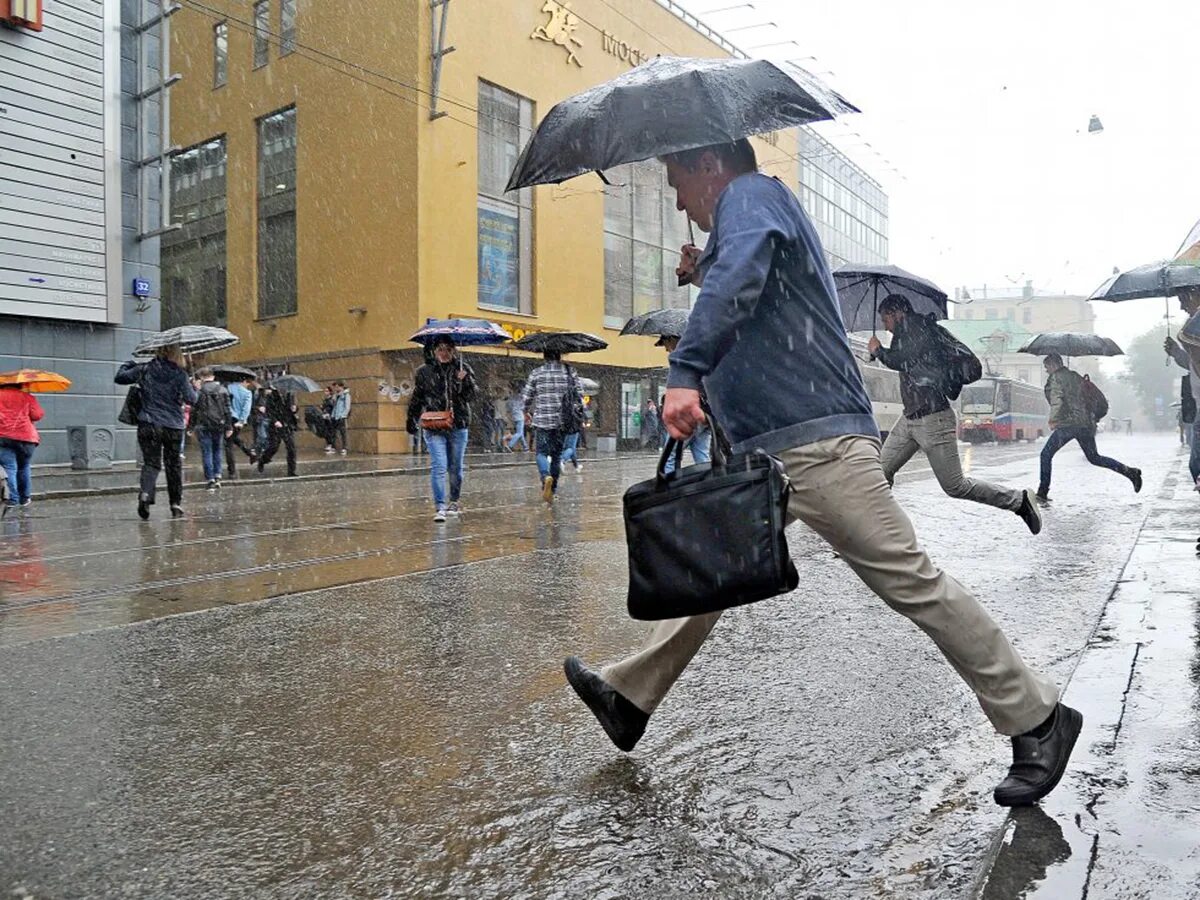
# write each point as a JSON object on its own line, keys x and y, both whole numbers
{"x": 189, "y": 338}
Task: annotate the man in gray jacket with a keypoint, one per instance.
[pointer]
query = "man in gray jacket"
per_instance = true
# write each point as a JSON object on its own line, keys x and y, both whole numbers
{"x": 767, "y": 342}
{"x": 928, "y": 422}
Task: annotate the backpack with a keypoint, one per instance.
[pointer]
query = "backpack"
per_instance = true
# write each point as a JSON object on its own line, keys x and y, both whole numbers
{"x": 571, "y": 412}
{"x": 208, "y": 412}
{"x": 1094, "y": 400}
{"x": 958, "y": 365}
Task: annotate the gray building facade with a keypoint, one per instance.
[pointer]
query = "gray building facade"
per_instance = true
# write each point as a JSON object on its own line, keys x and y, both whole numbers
{"x": 848, "y": 207}
{"x": 78, "y": 112}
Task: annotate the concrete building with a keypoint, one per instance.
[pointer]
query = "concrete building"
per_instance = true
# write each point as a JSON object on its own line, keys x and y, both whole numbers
{"x": 343, "y": 181}
{"x": 74, "y": 205}
{"x": 996, "y": 323}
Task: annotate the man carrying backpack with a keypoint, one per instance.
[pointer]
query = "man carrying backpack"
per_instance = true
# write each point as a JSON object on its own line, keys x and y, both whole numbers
{"x": 1075, "y": 406}
{"x": 928, "y": 422}
{"x": 550, "y": 390}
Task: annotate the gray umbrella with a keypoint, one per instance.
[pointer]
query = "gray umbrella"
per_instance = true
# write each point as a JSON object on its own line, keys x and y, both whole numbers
{"x": 861, "y": 288}
{"x": 670, "y": 104}
{"x": 1072, "y": 343}
{"x": 189, "y": 338}
{"x": 1158, "y": 279}
{"x": 560, "y": 342}
{"x": 295, "y": 384}
{"x": 660, "y": 322}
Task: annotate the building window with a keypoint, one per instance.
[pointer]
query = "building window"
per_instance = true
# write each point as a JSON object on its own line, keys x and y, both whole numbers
{"x": 505, "y": 221}
{"x": 220, "y": 53}
{"x": 193, "y": 255}
{"x": 262, "y": 26}
{"x": 990, "y": 314}
{"x": 642, "y": 235}
{"x": 277, "y": 214}
{"x": 1023, "y": 374}
{"x": 1010, "y": 314}
{"x": 968, "y": 314}
{"x": 287, "y": 27}
{"x": 1027, "y": 316}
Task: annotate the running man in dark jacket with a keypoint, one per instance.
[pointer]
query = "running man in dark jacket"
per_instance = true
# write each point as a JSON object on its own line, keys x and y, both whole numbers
{"x": 928, "y": 422}
{"x": 279, "y": 413}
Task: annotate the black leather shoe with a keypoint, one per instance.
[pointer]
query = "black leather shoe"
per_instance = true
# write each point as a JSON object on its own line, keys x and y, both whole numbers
{"x": 623, "y": 722}
{"x": 1028, "y": 512}
{"x": 1042, "y": 497}
{"x": 1135, "y": 475}
{"x": 143, "y": 506}
{"x": 1039, "y": 763}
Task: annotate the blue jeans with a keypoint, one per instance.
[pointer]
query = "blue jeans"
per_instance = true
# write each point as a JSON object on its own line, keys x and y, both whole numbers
{"x": 17, "y": 459}
{"x": 446, "y": 452}
{"x": 570, "y": 448}
{"x": 1087, "y": 442}
{"x": 518, "y": 434}
{"x": 549, "y": 454}
{"x": 261, "y": 435}
{"x": 212, "y": 443}
{"x": 700, "y": 444}
{"x": 1194, "y": 459}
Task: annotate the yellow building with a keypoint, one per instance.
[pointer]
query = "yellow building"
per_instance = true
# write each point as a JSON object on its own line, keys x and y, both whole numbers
{"x": 343, "y": 181}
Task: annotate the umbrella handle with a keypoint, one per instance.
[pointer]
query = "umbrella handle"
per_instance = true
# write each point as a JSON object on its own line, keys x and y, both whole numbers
{"x": 875, "y": 312}
{"x": 687, "y": 279}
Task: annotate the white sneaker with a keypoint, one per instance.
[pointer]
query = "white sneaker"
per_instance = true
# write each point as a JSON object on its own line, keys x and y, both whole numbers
{"x": 578, "y": 467}
{"x": 453, "y": 509}
{"x": 343, "y": 451}
{"x": 328, "y": 449}
{"x": 439, "y": 516}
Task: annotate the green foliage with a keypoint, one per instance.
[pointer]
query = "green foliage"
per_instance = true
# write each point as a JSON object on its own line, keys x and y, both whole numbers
{"x": 1152, "y": 374}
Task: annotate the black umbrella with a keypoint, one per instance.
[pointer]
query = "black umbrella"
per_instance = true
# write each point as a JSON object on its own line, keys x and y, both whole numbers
{"x": 295, "y": 384}
{"x": 232, "y": 373}
{"x": 670, "y": 104}
{"x": 661, "y": 322}
{"x": 1072, "y": 343}
{"x": 860, "y": 288}
{"x": 1158, "y": 279}
{"x": 560, "y": 342}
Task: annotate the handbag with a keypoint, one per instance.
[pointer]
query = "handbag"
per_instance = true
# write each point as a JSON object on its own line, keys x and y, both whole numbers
{"x": 132, "y": 407}
{"x": 709, "y": 536}
{"x": 439, "y": 419}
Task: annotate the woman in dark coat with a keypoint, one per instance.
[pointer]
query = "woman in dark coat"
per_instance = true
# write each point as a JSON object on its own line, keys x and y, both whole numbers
{"x": 446, "y": 383}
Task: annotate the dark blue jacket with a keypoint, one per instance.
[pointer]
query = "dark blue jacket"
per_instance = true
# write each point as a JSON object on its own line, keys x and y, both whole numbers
{"x": 165, "y": 388}
{"x": 766, "y": 336}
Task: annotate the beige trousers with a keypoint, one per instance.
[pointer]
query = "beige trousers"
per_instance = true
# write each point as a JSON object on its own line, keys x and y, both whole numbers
{"x": 842, "y": 495}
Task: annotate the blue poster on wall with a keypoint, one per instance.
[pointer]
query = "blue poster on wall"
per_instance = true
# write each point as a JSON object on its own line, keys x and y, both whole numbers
{"x": 499, "y": 246}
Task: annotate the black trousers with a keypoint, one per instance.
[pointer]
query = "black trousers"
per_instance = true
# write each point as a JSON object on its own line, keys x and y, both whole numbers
{"x": 234, "y": 440}
{"x": 274, "y": 437}
{"x": 337, "y": 427}
{"x": 160, "y": 450}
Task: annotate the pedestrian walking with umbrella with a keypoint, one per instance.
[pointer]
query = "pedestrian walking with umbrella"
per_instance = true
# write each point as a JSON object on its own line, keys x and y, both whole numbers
{"x": 159, "y": 389}
{"x": 1076, "y": 404}
{"x": 766, "y": 339}
{"x": 19, "y": 439}
{"x": 439, "y": 409}
{"x": 554, "y": 398}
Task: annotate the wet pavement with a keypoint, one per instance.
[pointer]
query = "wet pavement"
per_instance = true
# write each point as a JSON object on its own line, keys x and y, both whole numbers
{"x": 306, "y": 732}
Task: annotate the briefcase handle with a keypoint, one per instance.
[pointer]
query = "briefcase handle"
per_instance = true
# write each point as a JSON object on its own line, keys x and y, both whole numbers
{"x": 720, "y": 444}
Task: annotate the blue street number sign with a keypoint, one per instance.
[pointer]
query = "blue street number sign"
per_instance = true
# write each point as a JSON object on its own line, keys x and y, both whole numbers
{"x": 141, "y": 287}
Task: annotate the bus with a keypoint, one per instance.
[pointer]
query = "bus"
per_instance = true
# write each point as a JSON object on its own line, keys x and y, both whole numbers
{"x": 1000, "y": 409}
{"x": 883, "y": 386}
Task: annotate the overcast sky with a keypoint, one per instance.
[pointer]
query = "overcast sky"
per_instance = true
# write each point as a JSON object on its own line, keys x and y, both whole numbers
{"x": 984, "y": 110}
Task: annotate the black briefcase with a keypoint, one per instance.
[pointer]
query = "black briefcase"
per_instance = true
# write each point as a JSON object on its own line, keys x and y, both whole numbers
{"x": 708, "y": 537}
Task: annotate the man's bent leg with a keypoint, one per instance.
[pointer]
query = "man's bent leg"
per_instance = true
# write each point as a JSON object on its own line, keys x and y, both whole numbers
{"x": 644, "y": 678}
{"x": 840, "y": 493}
{"x": 938, "y": 437}
{"x": 898, "y": 449}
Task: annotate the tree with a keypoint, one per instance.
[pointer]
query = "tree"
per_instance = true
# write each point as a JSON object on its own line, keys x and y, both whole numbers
{"x": 1153, "y": 375}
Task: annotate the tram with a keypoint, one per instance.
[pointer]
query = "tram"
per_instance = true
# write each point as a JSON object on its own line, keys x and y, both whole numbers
{"x": 883, "y": 386}
{"x": 1000, "y": 409}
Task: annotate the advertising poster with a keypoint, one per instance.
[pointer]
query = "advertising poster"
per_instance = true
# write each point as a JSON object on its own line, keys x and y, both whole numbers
{"x": 499, "y": 245}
